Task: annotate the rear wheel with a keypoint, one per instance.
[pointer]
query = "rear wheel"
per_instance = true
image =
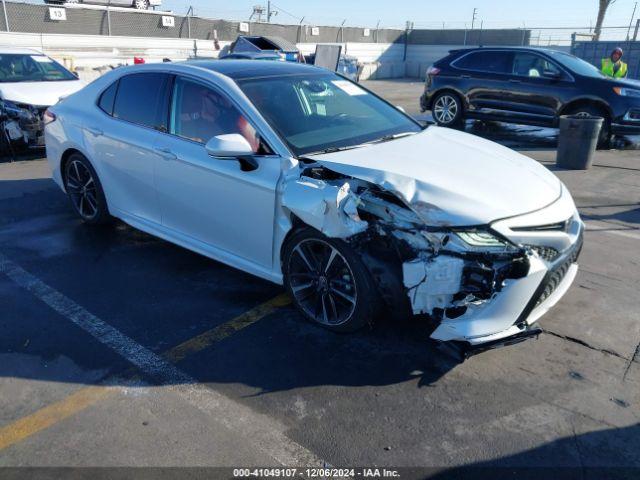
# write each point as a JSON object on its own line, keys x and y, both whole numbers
{"x": 328, "y": 281}
{"x": 447, "y": 109}
{"x": 586, "y": 111}
{"x": 85, "y": 191}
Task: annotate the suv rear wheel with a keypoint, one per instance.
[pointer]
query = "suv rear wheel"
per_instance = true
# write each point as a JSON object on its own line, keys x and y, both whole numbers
{"x": 447, "y": 109}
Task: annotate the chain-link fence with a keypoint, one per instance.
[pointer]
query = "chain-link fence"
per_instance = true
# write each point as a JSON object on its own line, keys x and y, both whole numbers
{"x": 117, "y": 21}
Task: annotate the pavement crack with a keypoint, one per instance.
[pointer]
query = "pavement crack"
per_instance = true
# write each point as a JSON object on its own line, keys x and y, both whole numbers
{"x": 636, "y": 355}
{"x": 591, "y": 347}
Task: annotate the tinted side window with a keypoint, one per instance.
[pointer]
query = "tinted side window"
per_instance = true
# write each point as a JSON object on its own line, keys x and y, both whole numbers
{"x": 532, "y": 65}
{"x": 491, "y": 61}
{"x": 142, "y": 99}
{"x": 107, "y": 98}
{"x": 199, "y": 114}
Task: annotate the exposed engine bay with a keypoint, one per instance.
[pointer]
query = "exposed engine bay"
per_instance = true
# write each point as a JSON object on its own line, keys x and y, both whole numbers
{"x": 21, "y": 126}
{"x": 442, "y": 275}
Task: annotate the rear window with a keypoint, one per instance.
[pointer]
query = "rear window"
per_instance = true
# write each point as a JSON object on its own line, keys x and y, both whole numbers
{"x": 142, "y": 99}
{"x": 485, "y": 61}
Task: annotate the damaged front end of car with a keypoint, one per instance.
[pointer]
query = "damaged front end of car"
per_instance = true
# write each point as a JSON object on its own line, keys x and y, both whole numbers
{"x": 472, "y": 286}
{"x": 21, "y": 125}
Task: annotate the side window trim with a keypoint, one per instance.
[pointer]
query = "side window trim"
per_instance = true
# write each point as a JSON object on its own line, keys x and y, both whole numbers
{"x": 218, "y": 91}
{"x": 115, "y": 95}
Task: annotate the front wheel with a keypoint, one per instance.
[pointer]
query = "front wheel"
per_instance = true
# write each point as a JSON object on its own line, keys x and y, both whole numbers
{"x": 328, "y": 281}
{"x": 447, "y": 109}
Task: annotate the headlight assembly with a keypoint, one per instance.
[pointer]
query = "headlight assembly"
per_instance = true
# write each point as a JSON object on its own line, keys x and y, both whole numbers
{"x": 481, "y": 239}
{"x": 627, "y": 92}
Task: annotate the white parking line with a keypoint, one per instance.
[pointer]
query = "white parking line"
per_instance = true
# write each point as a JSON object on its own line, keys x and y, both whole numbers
{"x": 262, "y": 431}
{"x": 613, "y": 229}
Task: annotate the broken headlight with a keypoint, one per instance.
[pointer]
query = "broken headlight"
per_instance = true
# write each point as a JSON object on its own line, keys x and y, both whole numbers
{"x": 481, "y": 239}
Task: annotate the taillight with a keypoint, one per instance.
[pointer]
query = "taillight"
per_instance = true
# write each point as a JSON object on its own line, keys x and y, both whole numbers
{"x": 433, "y": 71}
{"x": 48, "y": 117}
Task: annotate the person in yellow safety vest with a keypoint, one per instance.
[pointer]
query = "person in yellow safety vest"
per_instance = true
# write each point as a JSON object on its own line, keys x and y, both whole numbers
{"x": 614, "y": 67}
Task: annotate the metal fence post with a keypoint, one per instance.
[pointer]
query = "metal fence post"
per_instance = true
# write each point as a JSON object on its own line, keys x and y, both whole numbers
{"x": 189, "y": 13}
{"x": 6, "y": 18}
{"x": 109, "y": 18}
{"x": 635, "y": 33}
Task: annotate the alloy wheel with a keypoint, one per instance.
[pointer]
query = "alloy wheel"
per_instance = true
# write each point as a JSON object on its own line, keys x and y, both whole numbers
{"x": 82, "y": 189}
{"x": 445, "y": 109}
{"x": 322, "y": 282}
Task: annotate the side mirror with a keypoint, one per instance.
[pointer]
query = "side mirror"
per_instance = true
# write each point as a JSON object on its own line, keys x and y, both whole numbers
{"x": 231, "y": 145}
{"x": 552, "y": 74}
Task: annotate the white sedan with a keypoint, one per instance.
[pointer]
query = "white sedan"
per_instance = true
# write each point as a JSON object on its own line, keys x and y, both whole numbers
{"x": 301, "y": 177}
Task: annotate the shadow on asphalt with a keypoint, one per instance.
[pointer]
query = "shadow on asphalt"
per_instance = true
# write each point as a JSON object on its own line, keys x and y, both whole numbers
{"x": 162, "y": 295}
{"x": 534, "y": 464}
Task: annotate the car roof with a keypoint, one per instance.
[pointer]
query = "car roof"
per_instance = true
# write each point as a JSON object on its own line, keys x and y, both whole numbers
{"x": 19, "y": 50}
{"x": 512, "y": 49}
{"x": 243, "y": 69}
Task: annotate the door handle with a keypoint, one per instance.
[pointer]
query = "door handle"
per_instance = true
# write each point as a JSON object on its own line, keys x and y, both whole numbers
{"x": 513, "y": 80}
{"x": 465, "y": 76}
{"x": 96, "y": 132}
{"x": 166, "y": 153}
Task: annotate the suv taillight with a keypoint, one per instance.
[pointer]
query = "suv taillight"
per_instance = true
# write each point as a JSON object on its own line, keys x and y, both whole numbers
{"x": 48, "y": 117}
{"x": 432, "y": 71}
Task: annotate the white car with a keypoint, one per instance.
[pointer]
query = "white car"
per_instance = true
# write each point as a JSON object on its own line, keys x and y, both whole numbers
{"x": 29, "y": 83}
{"x": 303, "y": 178}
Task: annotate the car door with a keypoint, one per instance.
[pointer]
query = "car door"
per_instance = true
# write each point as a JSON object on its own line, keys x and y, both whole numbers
{"x": 122, "y": 138}
{"x": 538, "y": 86}
{"x": 213, "y": 203}
{"x": 485, "y": 75}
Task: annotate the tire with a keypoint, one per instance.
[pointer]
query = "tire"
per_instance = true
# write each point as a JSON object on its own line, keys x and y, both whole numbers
{"x": 604, "y": 139}
{"x": 328, "y": 282}
{"x": 84, "y": 190}
{"x": 447, "y": 109}
{"x": 141, "y": 4}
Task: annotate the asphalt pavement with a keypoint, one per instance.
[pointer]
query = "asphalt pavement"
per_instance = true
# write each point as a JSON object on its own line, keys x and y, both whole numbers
{"x": 120, "y": 349}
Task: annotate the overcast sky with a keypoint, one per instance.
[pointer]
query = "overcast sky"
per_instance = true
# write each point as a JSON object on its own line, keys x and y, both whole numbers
{"x": 424, "y": 13}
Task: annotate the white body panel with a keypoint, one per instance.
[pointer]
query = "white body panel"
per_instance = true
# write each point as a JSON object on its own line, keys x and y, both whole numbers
{"x": 452, "y": 178}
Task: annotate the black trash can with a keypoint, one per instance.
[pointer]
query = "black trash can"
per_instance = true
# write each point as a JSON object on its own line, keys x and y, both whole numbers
{"x": 577, "y": 141}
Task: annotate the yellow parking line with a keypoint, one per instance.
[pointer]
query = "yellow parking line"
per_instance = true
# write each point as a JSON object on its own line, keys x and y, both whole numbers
{"x": 51, "y": 414}
{"x": 85, "y": 397}
{"x": 221, "y": 332}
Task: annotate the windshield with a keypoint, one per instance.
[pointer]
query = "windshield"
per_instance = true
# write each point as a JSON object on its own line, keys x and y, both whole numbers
{"x": 577, "y": 65}
{"x": 31, "y": 68}
{"x": 322, "y": 112}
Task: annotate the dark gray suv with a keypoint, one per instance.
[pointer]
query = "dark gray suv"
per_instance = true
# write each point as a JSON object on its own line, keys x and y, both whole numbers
{"x": 528, "y": 86}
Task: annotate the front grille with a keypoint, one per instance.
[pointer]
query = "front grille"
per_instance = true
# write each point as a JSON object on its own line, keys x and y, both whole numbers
{"x": 552, "y": 227}
{"x": 558, "y": 273}
{"x": 548, "y": 254}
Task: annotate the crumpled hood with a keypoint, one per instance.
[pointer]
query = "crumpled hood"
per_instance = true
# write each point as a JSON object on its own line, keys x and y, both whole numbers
{"x": 451, "y": 178}
{"x": 41, "y": 94}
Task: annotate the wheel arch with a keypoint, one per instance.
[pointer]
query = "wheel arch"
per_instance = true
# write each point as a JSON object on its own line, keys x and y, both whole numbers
{"x": 449, "y": 89}
{"x": 587, "y": 101}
